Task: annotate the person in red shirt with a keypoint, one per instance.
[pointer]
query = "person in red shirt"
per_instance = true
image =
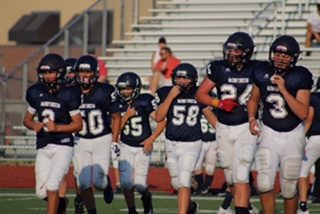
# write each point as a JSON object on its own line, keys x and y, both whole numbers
{"x": 164, "y": 69}
{"x": 103, "y": 70}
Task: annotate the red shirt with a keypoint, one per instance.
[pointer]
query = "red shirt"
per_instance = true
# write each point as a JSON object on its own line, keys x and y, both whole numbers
{"x": 172, "y": 63}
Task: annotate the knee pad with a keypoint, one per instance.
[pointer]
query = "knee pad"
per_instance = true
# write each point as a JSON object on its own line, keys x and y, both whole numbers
{"x": 84, "y": 179}
{"x": 211, "y": 160}
{"x": 175, "y": 183}
{"x": 99, "y": 178}
{"x": 228, "y": 176}
{"x": 244, "y": 164}
{"x": 264, "y": 183}
{"x": 264, "y": 179}
{"x": 187, "y": 166}
{"x": 41, "y": 192}
{"x": 126, "y": 173}
{"x": 209, "y": 169}
{"x": 290, "y": 172}
{"x": 173, "y": 171}
{"x": 185, "y": 179}
{"x": 140, "y": 183}
{"x": 288, "y": 188}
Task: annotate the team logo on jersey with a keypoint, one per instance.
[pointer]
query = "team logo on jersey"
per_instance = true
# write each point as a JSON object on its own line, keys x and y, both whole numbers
{"x": 227, "y": 70}
{"x": 266, "y": 76}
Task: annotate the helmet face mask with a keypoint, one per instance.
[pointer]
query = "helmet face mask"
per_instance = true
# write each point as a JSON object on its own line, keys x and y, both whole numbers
{"x": 238, "y": 49}
{"x": 128, "y": 86}
{"x": 126, "y": 93}
{"x": 88, "y": 71}
{"x": 281, "y": 61}
{"x": 86, "y": 79}
{"x": 284, "y": 54}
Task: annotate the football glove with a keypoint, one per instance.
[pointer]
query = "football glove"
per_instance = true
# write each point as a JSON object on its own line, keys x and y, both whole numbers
{"x": 115, "y": 150}
{"x": 228, "y": 105}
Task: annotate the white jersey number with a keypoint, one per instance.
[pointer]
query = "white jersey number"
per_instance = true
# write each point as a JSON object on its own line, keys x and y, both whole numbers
{"x": 47, "y": 114}
{"x": 179, "y": 115}
{"x": 94, "y": 125}
{"x": 206, "y": 126}
{"x": 278, "y": 111}
{"x": 229, "y": 91}
{"x": 136, "y": 127}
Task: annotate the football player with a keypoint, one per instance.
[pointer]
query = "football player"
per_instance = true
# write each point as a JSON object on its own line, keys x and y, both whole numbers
{"x": 312, "y": 149}
{"x": 70, "y": 77}
{"x": 183, "y": 131}
{"x": 136, "y": 139}
{"x": 231, "y": 76}
{"x": 70, "y": 80}
{"x": 284, "y": 90}
{"x": 92, "y": 153}
{"x": 57, "y": 110}
{"x": 204, "y": 169}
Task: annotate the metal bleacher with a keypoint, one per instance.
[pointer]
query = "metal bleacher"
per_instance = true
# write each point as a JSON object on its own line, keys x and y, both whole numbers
{"x": 196, "y": 29}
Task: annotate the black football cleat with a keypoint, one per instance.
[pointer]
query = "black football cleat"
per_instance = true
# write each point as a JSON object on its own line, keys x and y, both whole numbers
{"x": 108, "y": 192}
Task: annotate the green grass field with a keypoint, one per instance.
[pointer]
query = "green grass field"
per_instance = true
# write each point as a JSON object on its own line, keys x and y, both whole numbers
{"x": 14, "y": 202}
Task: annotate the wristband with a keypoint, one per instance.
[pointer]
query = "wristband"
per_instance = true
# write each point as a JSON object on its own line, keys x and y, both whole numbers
{"x": 215, "y": 103}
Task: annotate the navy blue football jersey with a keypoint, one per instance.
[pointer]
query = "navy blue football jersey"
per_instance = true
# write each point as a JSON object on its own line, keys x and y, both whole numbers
{"x": 315, "y": 103}
{"x": 276, "y": 113}
{"x": 232, "y": 84}
{"x": 183, "y": 118}
{"x": 138, "y": 128}
{"x": 55, "y": 107}
{"x": 208, "y": 132}
{"x": 96, "y": 109}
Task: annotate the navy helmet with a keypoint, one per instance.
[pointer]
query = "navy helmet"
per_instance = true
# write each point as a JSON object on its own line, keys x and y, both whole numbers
{"x": 129, "y": 80}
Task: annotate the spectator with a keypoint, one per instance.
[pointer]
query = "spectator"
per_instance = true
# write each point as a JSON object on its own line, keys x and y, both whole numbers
{"x": 313, "y": 28}
{"x": 156, "y": 55}
{"x": 103, "y": 70}
{"x": 164, "y": 69}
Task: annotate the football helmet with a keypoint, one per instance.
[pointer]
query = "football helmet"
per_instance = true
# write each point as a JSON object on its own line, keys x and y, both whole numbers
{"x": 238, "y": 41}
{"x": 87, "y": 63}
{"x": 187, "y": 71}
{"x": 128, "y": 80}
{"x": 69, "y": 69}
{"x": 51, "y": 62}
{"x": 287, "y": 45}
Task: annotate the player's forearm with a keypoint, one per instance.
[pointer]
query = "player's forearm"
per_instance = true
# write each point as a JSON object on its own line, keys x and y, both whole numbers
{"x": 28, "y": 121}
{"x": 69, "y": 128}
{"x": 163, "y": 109}
{"x": 211, "y": 117}
{"x": 160, "y": 127}
{"x": 205, "y": 98}
{"x": 124, "y": 120}
{"x": 28, "y": 124}
{"x": 308, "y": 121}
{"x": 252, "y": 107}
{"x": 298, "y": 108}
{"x": 116, "y": 126}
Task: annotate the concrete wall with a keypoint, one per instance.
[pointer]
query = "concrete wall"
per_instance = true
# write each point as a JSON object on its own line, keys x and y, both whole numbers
{"x": 12, "y": 10}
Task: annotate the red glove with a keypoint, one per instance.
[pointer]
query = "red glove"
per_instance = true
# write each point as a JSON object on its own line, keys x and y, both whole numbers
{"x": 228, "y": 105}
